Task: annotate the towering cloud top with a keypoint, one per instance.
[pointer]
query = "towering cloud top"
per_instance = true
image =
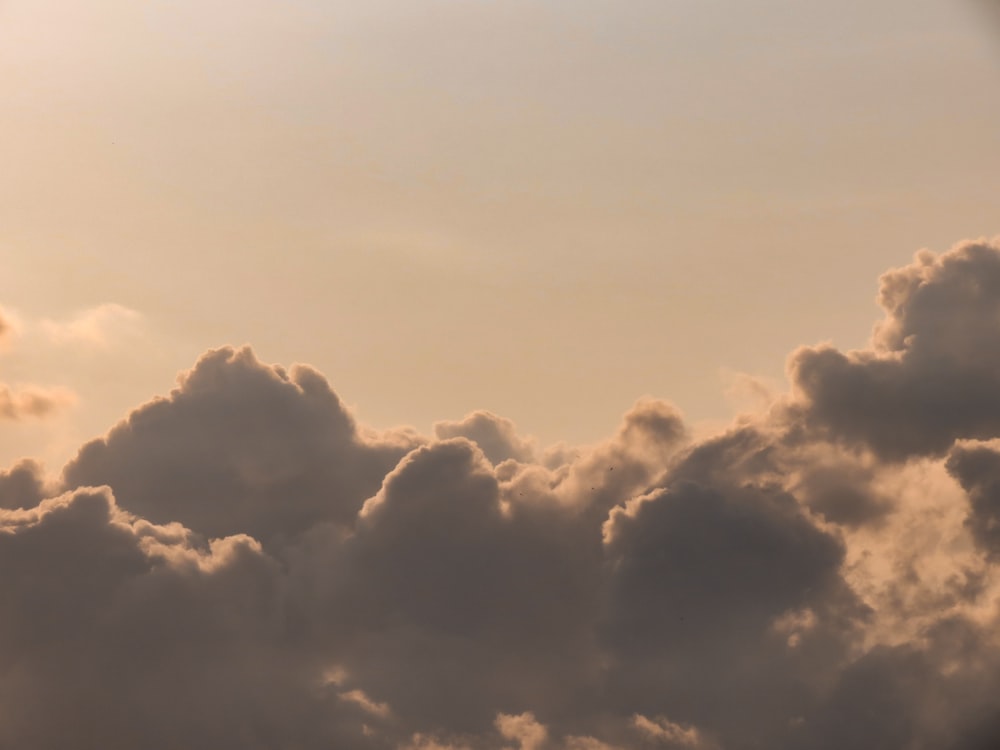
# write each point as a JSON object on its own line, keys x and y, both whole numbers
{"x": 239, "y": 564}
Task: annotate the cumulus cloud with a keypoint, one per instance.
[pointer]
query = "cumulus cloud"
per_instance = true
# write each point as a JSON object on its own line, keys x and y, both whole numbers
{"x": 240, "y": 564}
{"x": 23, "y": 485}
{"x": 496, "y": 437}
{"x": 931, "y": 374}
{"x": 241, "y": 447}
{"x": 122, "y": 633}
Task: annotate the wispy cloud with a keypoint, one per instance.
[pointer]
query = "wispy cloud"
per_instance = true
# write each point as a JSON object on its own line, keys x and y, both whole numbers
{"x": 10, "y": 327}
{"x": 664, "y": 731}
{"x": 32, "y": 401}
{"x": 366, "y": 704}
{"x": 96, "y": 326}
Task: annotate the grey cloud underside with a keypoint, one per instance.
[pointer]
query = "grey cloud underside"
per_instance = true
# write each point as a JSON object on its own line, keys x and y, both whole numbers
{"x": 241, "y": 565}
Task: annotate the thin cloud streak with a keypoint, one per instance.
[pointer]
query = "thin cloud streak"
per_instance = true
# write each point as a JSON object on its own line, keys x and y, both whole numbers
{"x": 97, "y": 326}
{"x": 32, "y": 401}
{"x": 9, "y": 329}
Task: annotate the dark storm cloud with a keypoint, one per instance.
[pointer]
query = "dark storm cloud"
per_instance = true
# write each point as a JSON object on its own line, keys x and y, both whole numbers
{"x": 121, "y": 634}
{"x": 932, "y": 374}
{"x": 23, "y": 485}
{"x": 724, "y": 595}
{"x": 841, "y": 491}
{"x": 977, "y": 468}
{"x": 241, "y": 565}
{"x": 940, "y": 695}
{"x": 490, "y": 600}
{"x": 241, "y": 447}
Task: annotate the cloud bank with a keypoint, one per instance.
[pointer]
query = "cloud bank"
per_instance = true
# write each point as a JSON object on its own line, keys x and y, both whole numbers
{"x": 240, "y": 564}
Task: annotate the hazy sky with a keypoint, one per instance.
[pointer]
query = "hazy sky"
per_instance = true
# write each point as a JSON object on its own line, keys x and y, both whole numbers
{"x": 650, "y": 395}
{"x": 546, "y": 209}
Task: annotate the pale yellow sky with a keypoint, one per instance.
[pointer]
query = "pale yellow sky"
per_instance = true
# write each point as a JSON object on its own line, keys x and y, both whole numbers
{"x": 544, "y": 209}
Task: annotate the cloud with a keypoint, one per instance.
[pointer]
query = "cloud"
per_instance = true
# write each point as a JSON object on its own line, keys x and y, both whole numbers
{"x": 421, "y": 742}
{"x": 95, "y": 326}
{"x": 586, "y": 743}
{"x": 240, "y": 564}
{"x": 241, "y": 447}
{"x": 523, "y": 729}
{"x": 366, "y": 704}
{"x": 125, "y": 632}
{"x": 496, "y": 437}
{"x": 23, "y": 485}
{"x": 9, "y": 328}
{"x": 32, "y": 401}
{"x": 27, "y": 400}
{"x": 977, "y": 468}
{"x": 666, "y": 732}
{"x": 931, "y": 374}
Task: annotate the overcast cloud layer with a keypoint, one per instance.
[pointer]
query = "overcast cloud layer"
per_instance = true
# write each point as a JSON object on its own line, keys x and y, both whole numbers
{"x": 241, "y": 565}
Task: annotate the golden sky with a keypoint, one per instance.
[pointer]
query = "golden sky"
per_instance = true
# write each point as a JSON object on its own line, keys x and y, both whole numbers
{"x": 545, "y": 209}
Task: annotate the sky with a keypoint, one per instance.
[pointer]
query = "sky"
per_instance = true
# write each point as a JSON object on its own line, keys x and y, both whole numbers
{"x": 470, "y": 375}
{"x": 545, "y": 209}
